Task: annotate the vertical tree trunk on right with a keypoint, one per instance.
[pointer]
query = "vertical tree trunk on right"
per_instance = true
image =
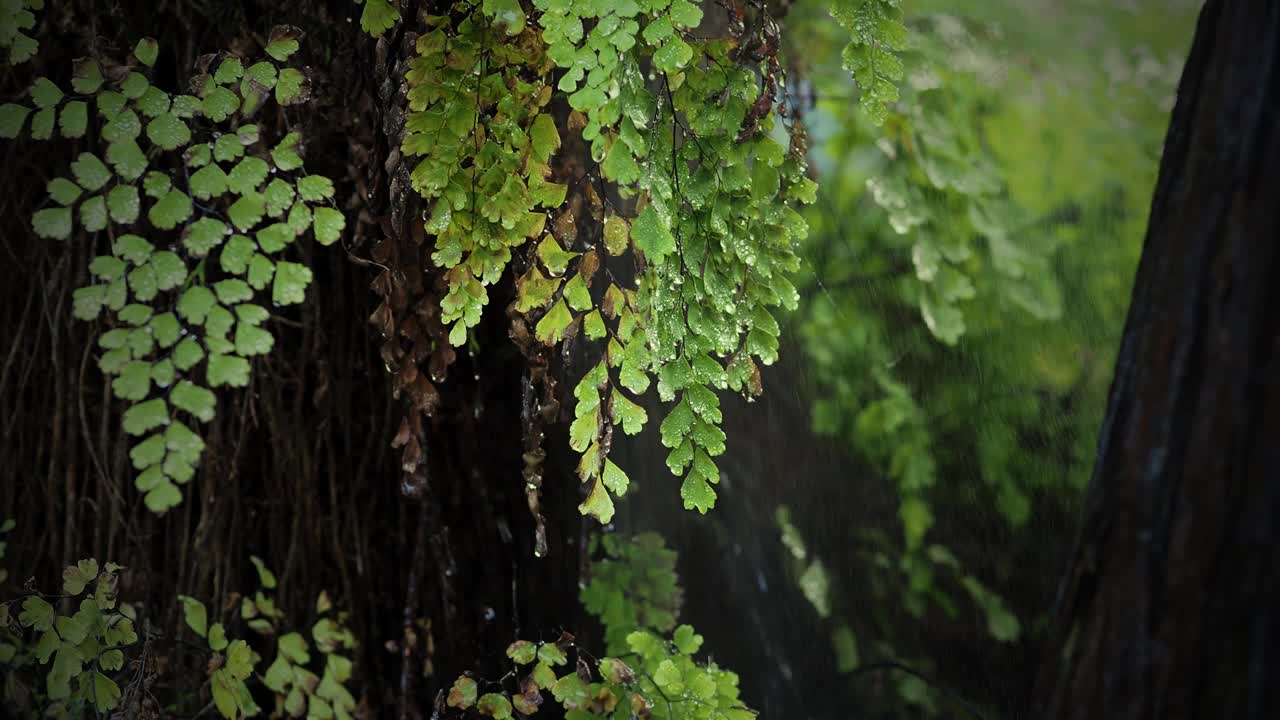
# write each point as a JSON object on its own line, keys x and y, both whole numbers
{"x": 1171, "y": 606}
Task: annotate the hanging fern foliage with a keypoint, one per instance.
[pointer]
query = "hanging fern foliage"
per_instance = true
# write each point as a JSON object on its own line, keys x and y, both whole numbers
{"x": 198, "y": 214}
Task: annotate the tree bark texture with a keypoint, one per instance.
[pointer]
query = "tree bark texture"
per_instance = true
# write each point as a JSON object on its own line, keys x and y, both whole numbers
{"x": 1171, "y": 605}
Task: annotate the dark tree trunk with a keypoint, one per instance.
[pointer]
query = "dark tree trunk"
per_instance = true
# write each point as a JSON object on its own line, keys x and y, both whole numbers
{"x": 1171, "y": 606}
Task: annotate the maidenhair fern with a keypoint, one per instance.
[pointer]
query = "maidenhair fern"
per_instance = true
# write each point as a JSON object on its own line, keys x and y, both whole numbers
{"x": 197, "y": 210}
{"x": 486, "y": 179}
{"x": 378, "y": 16}
{"x": 84, "y": 649}
{"x": 17, "y": 16}
{"x": 878, "y": 34}
{"x": 651, "y": 671}
{"x": 708, "y": 229}
{"x": 298, "y": 690}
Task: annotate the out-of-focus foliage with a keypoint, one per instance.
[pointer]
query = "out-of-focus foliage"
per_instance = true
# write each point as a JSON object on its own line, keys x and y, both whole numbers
{"x": 971, "y": 258}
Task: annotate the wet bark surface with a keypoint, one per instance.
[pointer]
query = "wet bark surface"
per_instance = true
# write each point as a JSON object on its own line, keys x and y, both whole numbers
{"x": 1170, "y": 607}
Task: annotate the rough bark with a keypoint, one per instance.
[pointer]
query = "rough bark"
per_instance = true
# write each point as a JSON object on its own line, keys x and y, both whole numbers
{"x": 1171, "y": 606}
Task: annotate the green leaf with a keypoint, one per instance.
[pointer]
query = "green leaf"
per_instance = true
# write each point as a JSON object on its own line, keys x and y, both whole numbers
{"x": 168, "y": 131}
{"x": 685, "y": 14}
{"x": 105, "y": 694}
{"x": 229, "y": 71}
{"x": 551, "y": 328}
{"x": 232, "y": 291}
{"x": 283, "y": 42}
{"x": 45, "y": 94}
{"x": 204, "y": 235}
{"x": 134, "y": 381}
{"x": 53, "y": 223}
{"x": 143, "y": 417}
{"x": 132, "y": 248}
{"x": 228, "y": 370}
{"x": 544, "y": 137}
{"x": 90, "y": 172}
{"x": 290, "y": 87}
{"x": 652, "y": 237}
{"x": 106, "y": 267}
{"x": 252, "y": 340}
{"x": 124, "y": 204}
{"x": 170, "y": 210}
{"x": 227, "y": 148}
{"x": 314, "y": 188}
{"x": 74, "y": 119}
{"x": 616, "y": 234}
{"x": 551, "y": 654}
{"x": 461, "y": 696}
{"x": 328, "y": 224}
{"x": 12, "y": 118}
{"x": 494, "y": 705}
{"x": 163, "y": 497}
{"x": 198, "y": 401}
{"x": 42, "y": 123}
{"x": 76, "y": 577}
{"x": 697, "y": 494}
{"x": 155, "y": 184}
{"x": 294, "y": 647}
{"x": 162, "y": 373}
{"x": 134, "y": 86}
{"x": 93, "y": 213}
{"x": 620, "y": 165}
{"x": 291, "y": 283}
{"x": 543, "y": 675}
{"x": 278, "y": 195}
{"x": 247, "y": 175}
{"x": 261, "y": 270}
{"x": 686, "y": 640}
{"x": 86, "y": 78}
{"x": 247, "y": 211}
{"x": 208, "y": 182}
{"x": 170, "y": 270}
{"x": 195, "y": 615}
{"x": 187, "y": 354}
{"x": 136, "y": 314}
{"x": 36, "y": 614}
{"x": 285, "y": 155}
{"x": 219, "y": 104}
{"x": 146, "y": 51}
{"x": 165, "y": 329}
{"x": 570, "y": 691}
{"x": 262, "y": 73}
{"x": 615, "y": 479}
{"x": 598, "y": 504}
{"x": 195, "y": 303}
{"x": 576, "y": 293}
{"x": 185, "y": 106}
{"x": 673, "y": 55}
{"x": 522, "y": 652}
{"x": 554, "y": 257}
{"x": 593, "y": 325}
{"x": 217, "y": 637}
{"x": 111, "y": 660}
{"x": 87, "y": 301}
{"x": 279, "y": 676}
{"x": 299, "y": 218}
{"x": 127, "y": 159}
{"x": 378, "y": 17}
{"x": 631, "y": 416}
{"x": 110, "y": 103}
{"x": 154, "y": 103}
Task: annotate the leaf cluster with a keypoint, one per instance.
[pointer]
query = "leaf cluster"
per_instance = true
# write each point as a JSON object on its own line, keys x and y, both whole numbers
{"x": 83, "y": 650}
{"x": 198, "y": 212}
